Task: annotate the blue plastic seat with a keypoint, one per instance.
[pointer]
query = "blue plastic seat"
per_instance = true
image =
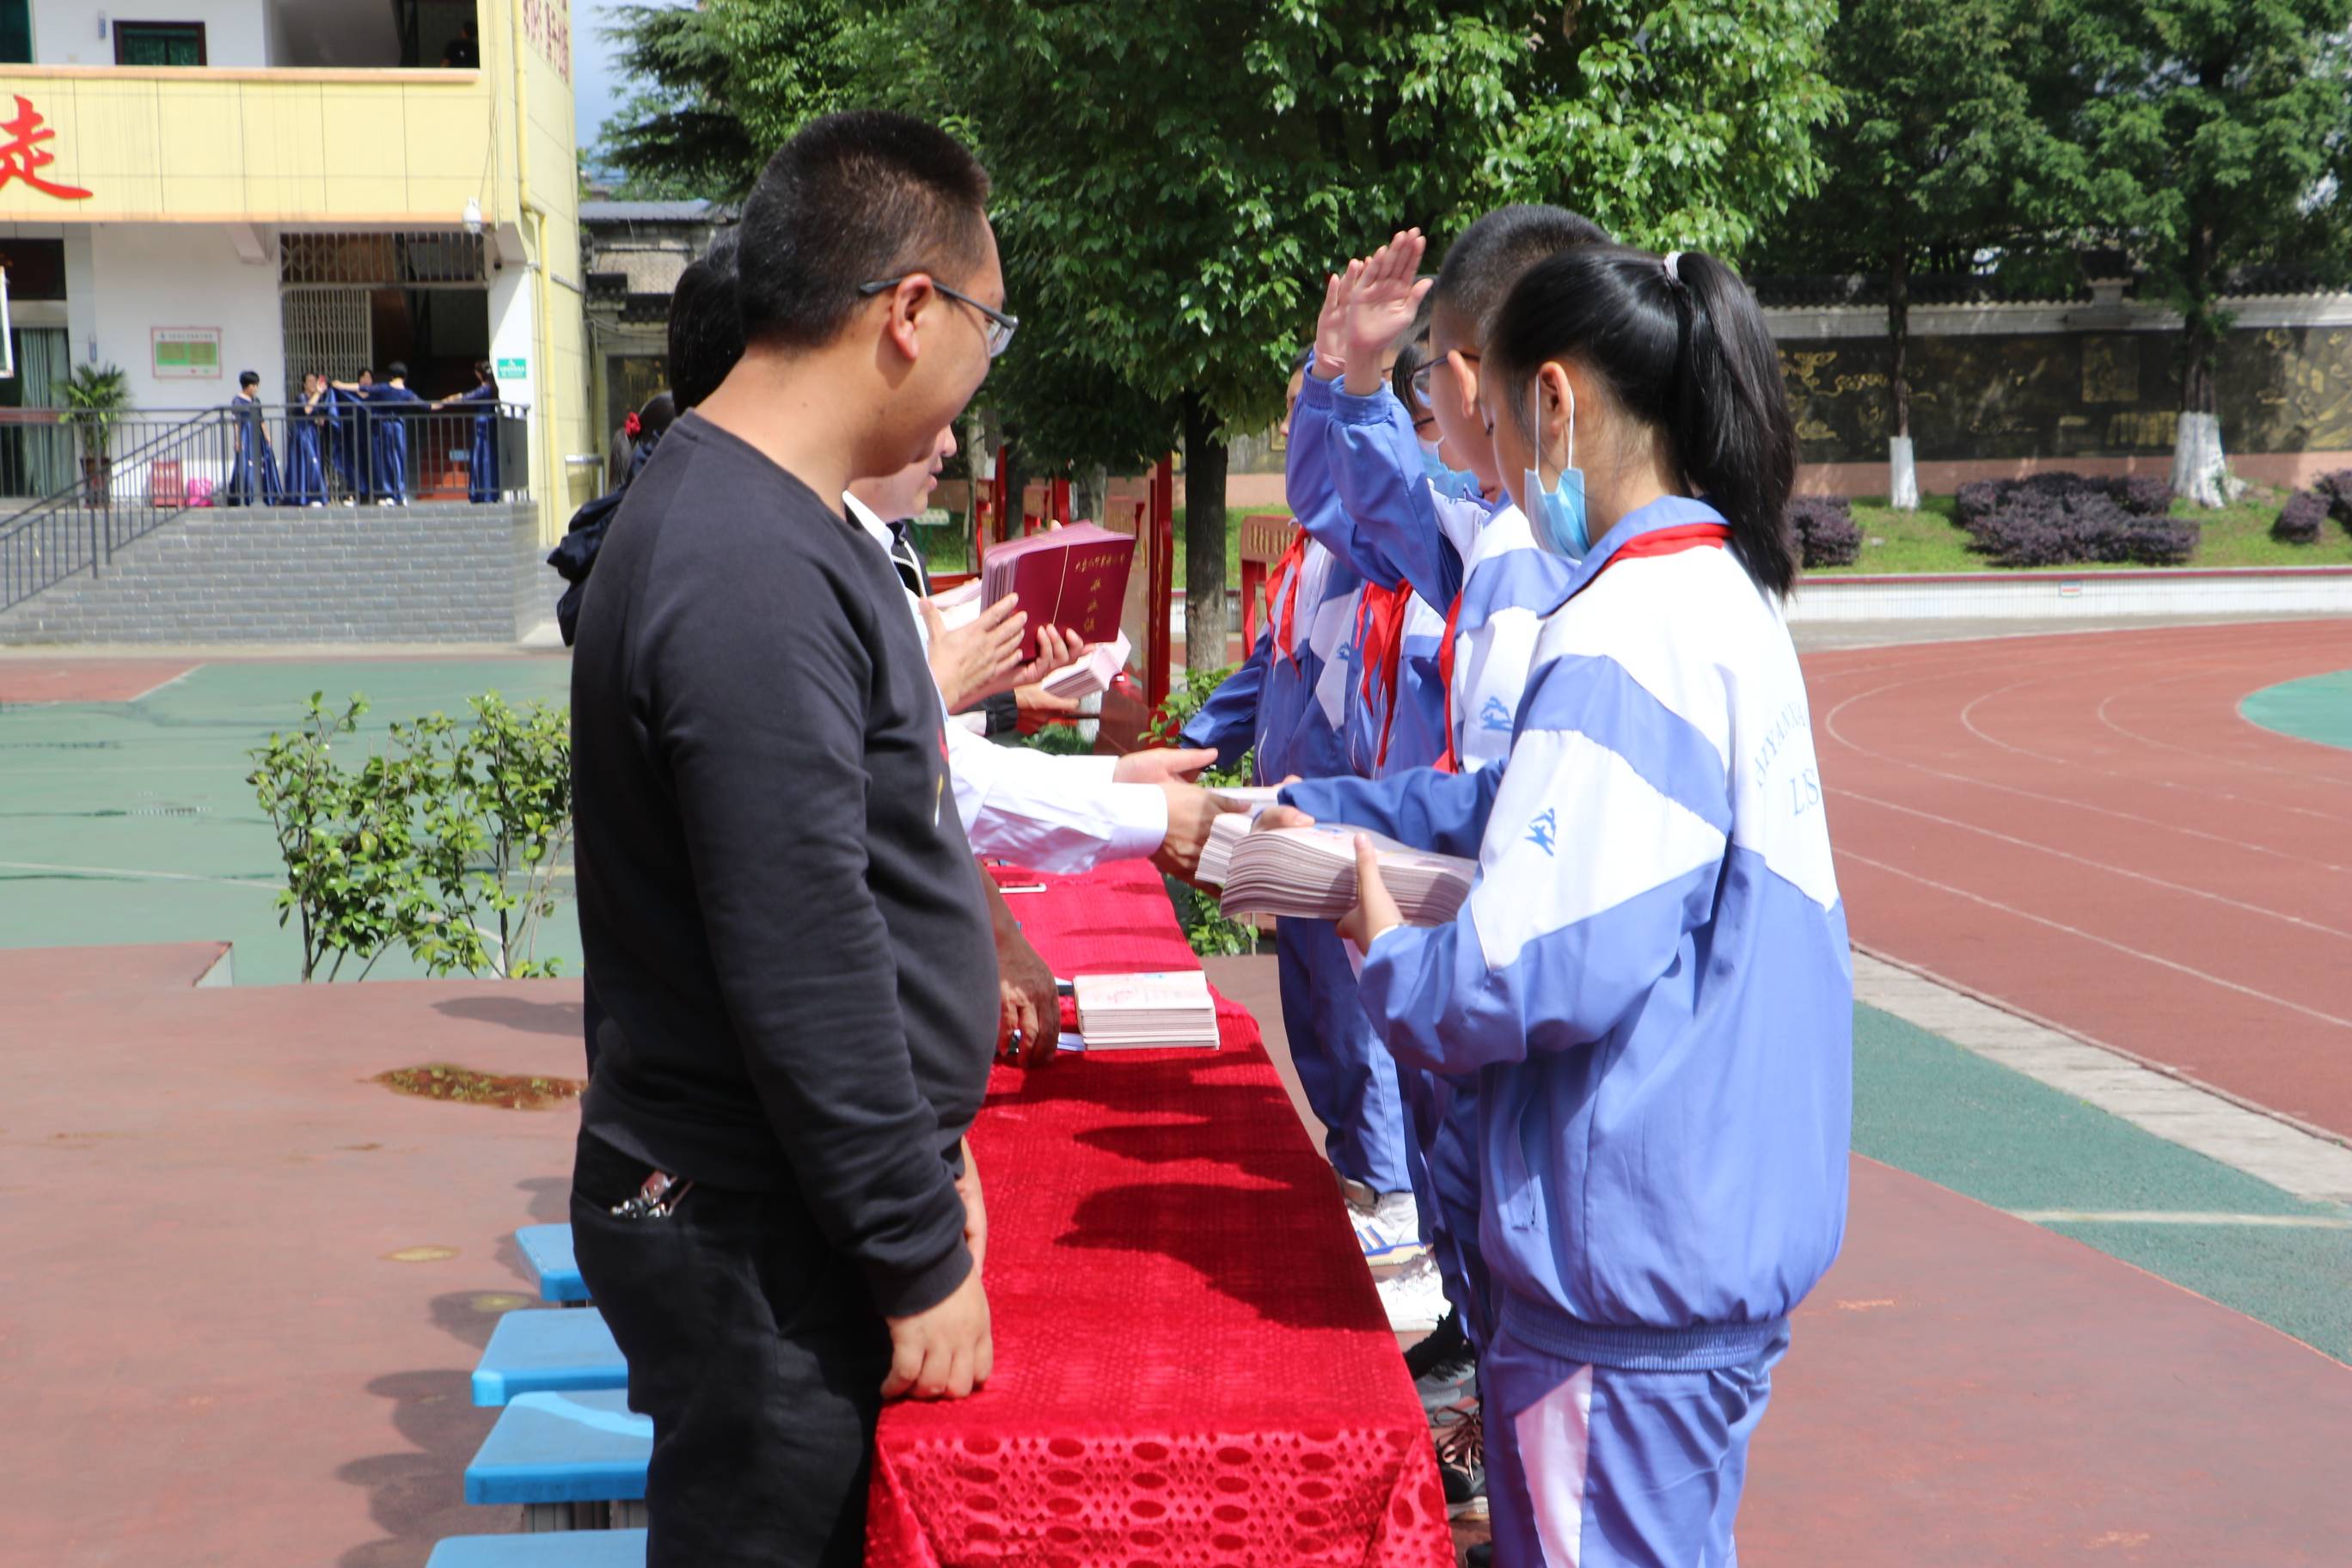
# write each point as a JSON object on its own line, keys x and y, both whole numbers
{"x": 563, "y": 1448}
{"x": 568, "y": 1549}
{"x": 547, "y": 1253}
{"x": 539, "y": 1352}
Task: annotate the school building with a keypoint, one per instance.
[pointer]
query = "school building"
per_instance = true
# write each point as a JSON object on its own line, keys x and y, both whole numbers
{"x": 191, "y": 189}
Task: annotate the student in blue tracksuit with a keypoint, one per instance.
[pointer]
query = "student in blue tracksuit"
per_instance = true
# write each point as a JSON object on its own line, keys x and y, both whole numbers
{"x": 306, "y": 467}
{"x": 1290, "y": 697}
{"x": 1650, "y": 975}
{"x": 482, "y": 455}
{"x": 253, "y": 468}
{"x": 1406, "y": 516}
{"x": 385, "y": 431}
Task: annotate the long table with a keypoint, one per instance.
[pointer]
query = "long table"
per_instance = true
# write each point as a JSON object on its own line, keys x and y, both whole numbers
{"x": 1192, "y": 1368}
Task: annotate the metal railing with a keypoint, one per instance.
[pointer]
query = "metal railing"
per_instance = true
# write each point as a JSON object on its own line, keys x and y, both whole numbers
{"x": 159, "y": 465}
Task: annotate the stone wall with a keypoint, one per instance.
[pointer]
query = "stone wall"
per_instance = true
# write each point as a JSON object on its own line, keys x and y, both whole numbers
{"x": 434, "y": 572}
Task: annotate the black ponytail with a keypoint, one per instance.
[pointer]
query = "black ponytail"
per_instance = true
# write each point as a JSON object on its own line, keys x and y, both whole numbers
{"x": 1684, "y": 349}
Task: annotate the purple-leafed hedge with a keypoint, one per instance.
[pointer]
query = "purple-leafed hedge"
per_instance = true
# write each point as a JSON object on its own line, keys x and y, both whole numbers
{"x": 1826, "y": 532}
{"x": 2300, "y": 521}
{"x": 2063, "y": 519}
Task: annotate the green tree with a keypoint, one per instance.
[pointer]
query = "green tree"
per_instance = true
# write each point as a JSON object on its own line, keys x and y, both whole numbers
{"x": 1173, "y": 180}
{"x": 2220, "y": 137}
{"x": 1946, "y": 147}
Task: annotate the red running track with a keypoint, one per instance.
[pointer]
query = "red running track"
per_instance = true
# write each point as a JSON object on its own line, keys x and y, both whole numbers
{"x": 2082, "y": 826}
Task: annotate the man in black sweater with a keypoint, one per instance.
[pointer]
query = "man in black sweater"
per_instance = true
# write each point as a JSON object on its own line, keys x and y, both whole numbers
{"x": 795, "y": 983}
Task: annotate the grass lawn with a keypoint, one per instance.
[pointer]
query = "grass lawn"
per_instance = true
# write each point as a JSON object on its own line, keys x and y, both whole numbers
{"x": 1929, "y": 541}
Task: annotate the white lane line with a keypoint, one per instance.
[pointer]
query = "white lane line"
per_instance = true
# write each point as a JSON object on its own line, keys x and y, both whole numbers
{"x": 2302, "y": 1162}
{"x": 2094, "y": 864}
{"x": 2113, "y": 946}
{"x": 2152, "y": 1216}
{"x": 1830, "y": 723}
{"x": 136, "y": 876}
{"x": 2236, "y": 708}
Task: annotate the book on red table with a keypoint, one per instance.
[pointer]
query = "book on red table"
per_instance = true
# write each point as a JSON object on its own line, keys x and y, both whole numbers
{"x": 1125, "y": 1011}
{"x": 1074, "y": 578}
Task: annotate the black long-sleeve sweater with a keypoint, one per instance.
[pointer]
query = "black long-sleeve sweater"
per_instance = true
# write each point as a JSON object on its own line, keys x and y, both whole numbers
{"x": 795, "y": 981}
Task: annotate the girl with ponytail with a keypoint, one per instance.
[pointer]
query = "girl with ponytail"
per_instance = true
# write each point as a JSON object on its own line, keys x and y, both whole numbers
{"x": 1650, "y": 978}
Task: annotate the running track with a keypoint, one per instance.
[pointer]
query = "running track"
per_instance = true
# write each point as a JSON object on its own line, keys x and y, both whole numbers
{"x": 2084, "y": 828}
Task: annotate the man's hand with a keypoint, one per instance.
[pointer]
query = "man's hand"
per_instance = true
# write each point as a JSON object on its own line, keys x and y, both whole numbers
{"x": 1380, "y": 305}
{"x": 1331, "y": 324}
{"x": 973, "y": 660}
{"x": 1027, "y": 1000}
{"x": 1162, "y": 764}
{"x": 945, "y": 1352}
{"x": 975, "y": 1210}
{"x": 1191, "y": 810}
{"x": 1056, "y": 648}
{"x": 1375, "y": 911}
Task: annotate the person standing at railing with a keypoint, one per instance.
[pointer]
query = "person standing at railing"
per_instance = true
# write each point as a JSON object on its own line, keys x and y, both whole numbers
{"x": 305, "y": 469}
{"x": 482, "y": 460}
{"x": 385, "y": 419}
{"x": 253, "y": 473}
{"x": 347, "y": 436}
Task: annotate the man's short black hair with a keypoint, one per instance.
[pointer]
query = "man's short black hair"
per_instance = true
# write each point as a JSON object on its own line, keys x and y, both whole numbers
{"x": 850, "y": 199}
{"x": 705, "y": 330}
{"x": 396, "y": 370}
{"x": 1494, "y": 252}
{"x": 249, "y": 378}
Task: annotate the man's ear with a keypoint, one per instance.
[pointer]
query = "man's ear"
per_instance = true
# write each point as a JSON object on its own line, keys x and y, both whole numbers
{"x": 906, "y": 305}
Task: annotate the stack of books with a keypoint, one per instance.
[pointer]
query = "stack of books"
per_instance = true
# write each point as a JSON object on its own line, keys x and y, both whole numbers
{"x": 1217, "y": 854}
{"x": 1132, "y": 1012}
{"x": 1310, "y": 873}
{"x": 1074, "y": 578}
{"x": 1090, "y": 676}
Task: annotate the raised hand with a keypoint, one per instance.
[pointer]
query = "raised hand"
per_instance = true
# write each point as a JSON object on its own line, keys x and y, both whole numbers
{"x": 1331, "y": 325}
{"x": 1382, "y": 301}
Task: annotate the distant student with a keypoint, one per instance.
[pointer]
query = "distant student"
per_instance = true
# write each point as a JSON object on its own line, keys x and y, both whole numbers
{"x": 1651, "y": 976}
{"x": 482, "y": 456}
{"x": 305, "y": 469}
{"x": 253, "y": 470}
{"x": 386, "y": 422}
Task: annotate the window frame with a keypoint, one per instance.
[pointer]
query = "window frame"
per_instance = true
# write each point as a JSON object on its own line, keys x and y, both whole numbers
{"x": 150, "y": 28}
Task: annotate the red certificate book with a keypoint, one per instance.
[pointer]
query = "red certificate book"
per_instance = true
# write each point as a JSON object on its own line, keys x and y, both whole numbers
{"x": 1074, "y": 578}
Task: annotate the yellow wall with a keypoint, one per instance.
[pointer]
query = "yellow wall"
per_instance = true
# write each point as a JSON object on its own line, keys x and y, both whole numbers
{"x": 356, "y": 148}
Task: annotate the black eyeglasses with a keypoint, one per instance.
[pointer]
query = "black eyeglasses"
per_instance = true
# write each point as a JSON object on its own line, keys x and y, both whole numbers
{"x": 1001, "y": 327}
{"x": 1420, "y": 376}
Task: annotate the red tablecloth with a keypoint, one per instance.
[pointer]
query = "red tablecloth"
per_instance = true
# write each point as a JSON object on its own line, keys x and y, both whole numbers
{"x": 1192, "y": 1368}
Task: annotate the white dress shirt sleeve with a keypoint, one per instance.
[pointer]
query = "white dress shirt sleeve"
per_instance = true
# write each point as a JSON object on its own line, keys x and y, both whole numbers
{"x": 1053, "y": 814}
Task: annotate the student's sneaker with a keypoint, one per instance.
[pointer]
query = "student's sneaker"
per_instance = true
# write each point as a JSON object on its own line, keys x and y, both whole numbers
{"x": 1461, "y": 1463}
{"x": 1480, "y": 1556}
{"x": 1388, "y": 1228}
{"x": 1445, "y": 1371}
{"x": 1414, "y": 1297}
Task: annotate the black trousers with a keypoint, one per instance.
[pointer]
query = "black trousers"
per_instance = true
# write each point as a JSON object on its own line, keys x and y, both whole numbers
{"x": 755, "y": 1348}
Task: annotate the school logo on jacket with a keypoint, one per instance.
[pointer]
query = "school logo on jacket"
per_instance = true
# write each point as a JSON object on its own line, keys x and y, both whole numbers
{"x": 1495, "y": 716}
{"x": 1541, "y": 831}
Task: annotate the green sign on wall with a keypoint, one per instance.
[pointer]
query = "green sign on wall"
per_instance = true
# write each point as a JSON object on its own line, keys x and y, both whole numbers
{"x": 515, "y": 369}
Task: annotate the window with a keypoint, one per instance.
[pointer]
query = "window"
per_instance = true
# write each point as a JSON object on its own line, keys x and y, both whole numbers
{"x": 159, "y": 43}
{"x": 16, "y": 32}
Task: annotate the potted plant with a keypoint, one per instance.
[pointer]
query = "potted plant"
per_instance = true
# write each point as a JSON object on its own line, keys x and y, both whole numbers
{"x": 95, "y": 396}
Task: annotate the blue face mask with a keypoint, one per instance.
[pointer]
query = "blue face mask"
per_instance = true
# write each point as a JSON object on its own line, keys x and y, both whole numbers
{"x": 1434, "y": 465}
{"x": 1558, "y": 514}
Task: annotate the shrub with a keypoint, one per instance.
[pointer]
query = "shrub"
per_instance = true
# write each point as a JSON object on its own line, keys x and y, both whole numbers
{"x": 2336, "y": 490}
{"x": 1826, "y": 532}
{"x": 2041, "y": 525}
{"x": 1975, "y": 499}
{"x": 1978, "y": 500}
{"x": 2300, "y": 520}
{"x": 2148, "y": 496}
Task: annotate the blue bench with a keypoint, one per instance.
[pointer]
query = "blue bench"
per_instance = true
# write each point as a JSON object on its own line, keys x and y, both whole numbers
{"x": 572, "y": 1461}
{"x": 547, "y": 1253}
{"x": 540, "y": 1351}
{"x": 574, "y": 1549}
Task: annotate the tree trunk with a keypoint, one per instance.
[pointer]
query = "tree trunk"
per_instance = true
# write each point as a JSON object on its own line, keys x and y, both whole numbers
{"x": 1089, "y": 494}
{"x": 1204, "y": 537}
{"x": 2200, "y": 472}
{"x": 1902, "y": 475}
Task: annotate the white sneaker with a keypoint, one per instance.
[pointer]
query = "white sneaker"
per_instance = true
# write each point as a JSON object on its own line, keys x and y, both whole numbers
{"x": 1415, "y": 1298}
{"x": 1388, "y": 1228}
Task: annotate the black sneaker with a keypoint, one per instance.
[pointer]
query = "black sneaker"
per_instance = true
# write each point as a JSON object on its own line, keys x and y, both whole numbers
{"x": 1461, "y": 1463}
{"x": 1444, "y": 1372}
{"x": 1480, "y": 1556}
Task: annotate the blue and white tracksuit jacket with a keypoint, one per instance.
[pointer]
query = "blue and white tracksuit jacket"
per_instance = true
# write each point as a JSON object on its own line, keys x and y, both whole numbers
{"x": 1650, "y": 979}
{"x": 1300, "y": 708}
{"x": 1396, "y": 524}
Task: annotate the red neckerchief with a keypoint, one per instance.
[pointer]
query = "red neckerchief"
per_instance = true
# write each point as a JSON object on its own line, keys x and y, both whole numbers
{"x": 1382, "y": 641}
{"x": 1662, "y": 542}
{"x": 1282, "y": 593}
